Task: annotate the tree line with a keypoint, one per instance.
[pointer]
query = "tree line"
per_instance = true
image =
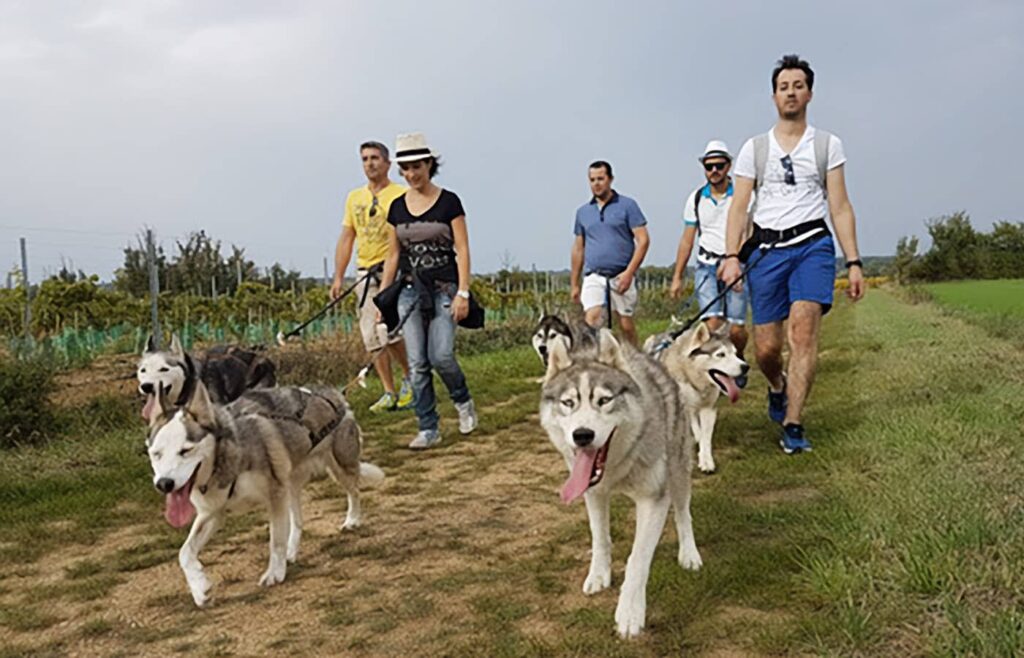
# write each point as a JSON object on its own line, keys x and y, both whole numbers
{"x": 959, "y": 251}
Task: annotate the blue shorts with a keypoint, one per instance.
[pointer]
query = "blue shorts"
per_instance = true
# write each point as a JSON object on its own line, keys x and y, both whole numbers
{"x": 804, "y": 272}
{"x": 706, "y": 286}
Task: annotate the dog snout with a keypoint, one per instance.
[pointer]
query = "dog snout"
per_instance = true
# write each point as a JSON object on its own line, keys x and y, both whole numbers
{"x": 165, "y": 485}
{"x": 583, "y": 437}
{"x": 745, "y": 368}
{"x": 543, "y": 350}
{"x": 147, "y": 388}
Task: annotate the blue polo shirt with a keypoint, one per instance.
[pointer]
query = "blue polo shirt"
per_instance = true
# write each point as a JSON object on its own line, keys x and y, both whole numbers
{"x": 608, "y": 232}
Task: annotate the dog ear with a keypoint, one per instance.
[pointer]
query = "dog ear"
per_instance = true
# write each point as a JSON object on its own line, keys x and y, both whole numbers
{"x": 164, "y": 407}
{"x": 558, "y": 357}
{"x": 176, "y": 348}
{"x": 200, "y": 407}
{"x": 150, "y": 345}
{"x": 701, "y": 334}
{"x": 609, "y": 352}
{"x": 722, "y": 331}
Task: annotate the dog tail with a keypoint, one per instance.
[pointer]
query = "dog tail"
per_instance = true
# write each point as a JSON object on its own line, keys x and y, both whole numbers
{"x": 370, "y": 475}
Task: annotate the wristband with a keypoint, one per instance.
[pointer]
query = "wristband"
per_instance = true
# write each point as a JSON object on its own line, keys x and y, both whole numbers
{"x": 855, "y": 261}
{"x": 463, "y": 293}
{"x": 728, "y": 256}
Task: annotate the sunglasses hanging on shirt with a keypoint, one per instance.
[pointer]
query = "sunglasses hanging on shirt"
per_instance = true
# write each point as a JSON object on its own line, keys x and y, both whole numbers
{"x": 787, "y": 164}
{"x": 373, "y": 207}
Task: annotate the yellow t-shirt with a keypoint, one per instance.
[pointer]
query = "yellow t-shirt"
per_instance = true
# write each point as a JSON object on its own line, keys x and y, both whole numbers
{"x": 370, "y": 221}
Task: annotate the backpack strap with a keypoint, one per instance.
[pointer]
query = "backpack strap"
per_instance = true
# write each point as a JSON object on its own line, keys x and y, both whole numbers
{"x": 821, "y": 143}
{"x": 760, "y": 159}
{"x": 696, "y": 205}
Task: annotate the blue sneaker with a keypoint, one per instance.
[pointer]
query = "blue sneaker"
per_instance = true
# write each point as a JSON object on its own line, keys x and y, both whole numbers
{"x": 793, "y": 440}
{"x": 777, "y": 403}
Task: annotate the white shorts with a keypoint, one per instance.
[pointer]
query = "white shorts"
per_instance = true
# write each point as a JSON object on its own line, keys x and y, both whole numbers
{"x": 375, "y": 334}
{"x": 594, "y": 291}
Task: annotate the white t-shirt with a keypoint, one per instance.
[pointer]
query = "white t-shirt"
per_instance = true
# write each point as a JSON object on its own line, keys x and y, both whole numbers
{"x": 780, "y": 205}
{"x": 714, "y": 215}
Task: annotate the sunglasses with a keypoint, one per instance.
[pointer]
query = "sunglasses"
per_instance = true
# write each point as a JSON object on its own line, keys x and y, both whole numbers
{"x": 715, "y": 166}
{"x": 787, "y": 164}
{"x": 373, "y": 207}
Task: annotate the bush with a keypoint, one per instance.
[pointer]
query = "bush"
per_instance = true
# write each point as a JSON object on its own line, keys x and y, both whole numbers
{"x": 26, "y": 412}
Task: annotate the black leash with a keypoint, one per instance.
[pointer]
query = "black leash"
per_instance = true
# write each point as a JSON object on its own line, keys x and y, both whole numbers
{"x": 375, "y": 354}
{"x": 282, "y": 337}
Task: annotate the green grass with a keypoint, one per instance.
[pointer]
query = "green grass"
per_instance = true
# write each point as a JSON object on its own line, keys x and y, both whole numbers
{"x": 997, "y": 296}
{"x": 902, "y": 534}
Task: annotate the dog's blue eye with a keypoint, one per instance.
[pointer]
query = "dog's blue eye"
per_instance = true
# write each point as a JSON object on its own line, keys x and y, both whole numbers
{"x": 603, "y": 401}
{"x": 568, "y": 403}
{"x": 164, "y": 369}
{"x": 183, "y": 452}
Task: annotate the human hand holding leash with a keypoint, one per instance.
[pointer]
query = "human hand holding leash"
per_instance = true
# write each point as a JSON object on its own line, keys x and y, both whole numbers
{"x": 460, "y": 308}
{"x": 729, "y": 271}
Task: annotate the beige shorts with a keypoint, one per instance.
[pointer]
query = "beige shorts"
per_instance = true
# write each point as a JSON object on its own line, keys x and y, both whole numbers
{"x": 593, "y": 294}
{"x": 375, "y": 334}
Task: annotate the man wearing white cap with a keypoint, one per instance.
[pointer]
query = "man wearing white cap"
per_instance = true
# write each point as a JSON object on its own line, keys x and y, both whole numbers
{"x": 705, "y": 215}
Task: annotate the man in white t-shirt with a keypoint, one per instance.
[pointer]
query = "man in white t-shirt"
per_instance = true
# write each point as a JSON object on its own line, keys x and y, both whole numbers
{"x": 704, "y": 218}
{"x": 798, "y": 174}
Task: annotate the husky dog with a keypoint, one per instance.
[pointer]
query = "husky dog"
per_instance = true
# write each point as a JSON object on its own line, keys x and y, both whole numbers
{"x": 550, "y": 328}
{"x": 260, "y": 450}
{"x": 616, "y": 416}
{"x": 706, "y": 365}
{"x": 226, "y": 371}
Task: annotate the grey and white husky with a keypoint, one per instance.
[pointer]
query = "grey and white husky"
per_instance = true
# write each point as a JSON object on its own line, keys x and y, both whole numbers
{"x": 706, "y": 366}
{"x": 549, "y": 329}
{"x": 616, "y": 416}
{"x": 260, "y": 450}
{"x": 226, "y": 371}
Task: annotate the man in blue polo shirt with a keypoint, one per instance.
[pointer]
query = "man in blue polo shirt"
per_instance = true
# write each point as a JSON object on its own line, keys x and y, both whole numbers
{"x": 611, "y": 242}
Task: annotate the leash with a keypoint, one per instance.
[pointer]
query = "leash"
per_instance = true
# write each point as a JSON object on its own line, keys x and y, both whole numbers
{"x": 360, "y": 378}
{"x": 676, "y": 333}
{"x": 283, "y": 337}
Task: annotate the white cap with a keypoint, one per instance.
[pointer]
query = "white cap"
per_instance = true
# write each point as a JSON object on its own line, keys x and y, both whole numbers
{"x": 716, "y": 148}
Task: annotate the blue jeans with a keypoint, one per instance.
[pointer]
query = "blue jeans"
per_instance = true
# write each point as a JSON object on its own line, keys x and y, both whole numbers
{"x": 430, "y": 343}
{"x": 732, "y": 307}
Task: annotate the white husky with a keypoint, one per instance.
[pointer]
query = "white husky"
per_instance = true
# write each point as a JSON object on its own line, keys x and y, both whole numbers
{"x": 616, "y": 416}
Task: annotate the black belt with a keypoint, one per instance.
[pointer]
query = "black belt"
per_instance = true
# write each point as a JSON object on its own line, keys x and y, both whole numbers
{"x": 701, "y": 251}
{"x": 767, "y": 235}
{"x": 608, "y": 274}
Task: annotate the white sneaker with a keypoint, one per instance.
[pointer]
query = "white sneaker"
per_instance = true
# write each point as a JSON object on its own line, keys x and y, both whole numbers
{"x": 425, "y": 439}
{"x": 467, "y": 416}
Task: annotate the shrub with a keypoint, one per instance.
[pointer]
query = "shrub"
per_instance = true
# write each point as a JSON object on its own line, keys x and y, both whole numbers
{"x": 26, "y": 412}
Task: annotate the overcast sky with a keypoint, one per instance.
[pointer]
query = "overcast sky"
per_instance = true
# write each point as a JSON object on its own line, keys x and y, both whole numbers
{"x": 243, "y": 118}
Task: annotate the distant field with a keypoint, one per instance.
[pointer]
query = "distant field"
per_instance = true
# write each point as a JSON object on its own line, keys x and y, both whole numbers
{"x": 1002, "y": 296}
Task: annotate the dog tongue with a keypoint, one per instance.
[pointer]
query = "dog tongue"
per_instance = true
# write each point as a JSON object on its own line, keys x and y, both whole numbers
{"x": 579, "y": 479}
{"x": 731, "y": 389}
{"x": 147, "y": 409}
{"x": 179, "y": 508}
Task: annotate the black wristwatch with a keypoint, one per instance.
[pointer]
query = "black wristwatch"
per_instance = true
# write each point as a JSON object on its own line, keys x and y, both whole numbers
{"x": 856, "y": 261}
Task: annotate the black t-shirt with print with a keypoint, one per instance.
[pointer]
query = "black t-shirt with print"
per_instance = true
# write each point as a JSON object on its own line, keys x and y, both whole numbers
{"x": 427, "y": 241}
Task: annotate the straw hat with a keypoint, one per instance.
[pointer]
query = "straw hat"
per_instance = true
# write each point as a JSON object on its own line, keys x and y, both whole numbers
{"x": 410, "y": 147}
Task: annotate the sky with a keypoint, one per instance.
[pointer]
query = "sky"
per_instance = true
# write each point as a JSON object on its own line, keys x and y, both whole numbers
{"x": 244, "y": 118}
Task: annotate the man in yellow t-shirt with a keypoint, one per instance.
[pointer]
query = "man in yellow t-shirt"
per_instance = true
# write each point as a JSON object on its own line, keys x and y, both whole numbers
{"x": 366, "y": 222}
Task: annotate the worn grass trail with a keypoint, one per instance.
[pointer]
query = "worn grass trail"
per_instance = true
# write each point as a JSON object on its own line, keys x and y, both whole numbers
{"x": 902, "y": 534}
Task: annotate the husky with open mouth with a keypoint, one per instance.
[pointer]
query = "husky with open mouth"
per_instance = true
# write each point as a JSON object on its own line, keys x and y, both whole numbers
{"x": 616, "y": 416}
{"x": 706, "y": 366}
{"x": 259, "y": 451}
{"x": 226, "y": 371}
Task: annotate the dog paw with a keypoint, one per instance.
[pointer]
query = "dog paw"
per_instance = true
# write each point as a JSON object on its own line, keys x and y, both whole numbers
{"x": 272, "y": 577}
{"x": 706, "y": 463}
{"x": 293, "y": 554}
{"x": 351, "y": 523}
{"x": 597, "y": 580}
{"x": 200, "y": 591}
{"x": 689, "y": 558}
{"x": 630, "y": 615}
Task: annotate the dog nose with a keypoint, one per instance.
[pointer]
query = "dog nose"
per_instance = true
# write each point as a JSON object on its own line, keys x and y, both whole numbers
{"x": 146, "y": 388}
{"x": 745, "y": 368}
{"x": 165, "y": 485}
{"x": 583, "y": 437}
{"x": 543, "y": 349}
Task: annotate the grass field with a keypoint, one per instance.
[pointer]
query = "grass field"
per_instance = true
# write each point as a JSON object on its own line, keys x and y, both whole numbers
{"x": 901, "y": 535}
{"x": 988, "y": 297}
